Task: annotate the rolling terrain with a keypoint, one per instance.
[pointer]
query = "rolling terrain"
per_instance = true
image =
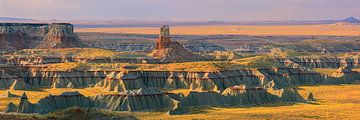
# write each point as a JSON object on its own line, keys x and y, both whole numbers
{"x": 200, "y": 72}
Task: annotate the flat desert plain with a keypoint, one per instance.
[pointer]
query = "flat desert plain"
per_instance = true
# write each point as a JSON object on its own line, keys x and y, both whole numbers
{"x": 330, "y": 29}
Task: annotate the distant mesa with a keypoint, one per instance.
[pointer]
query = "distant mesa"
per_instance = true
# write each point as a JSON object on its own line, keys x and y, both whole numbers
{"x": 9, "y": 19}
{"x": 17, "y": 36}
{"x": 349, "y": 21}
{"x": 60, "y": 35}
{"x": 169, "y": 51}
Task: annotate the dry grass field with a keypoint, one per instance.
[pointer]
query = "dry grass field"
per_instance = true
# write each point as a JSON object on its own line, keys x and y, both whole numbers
{"x": 334, "y": 30}
{"x": 327, "y": 71}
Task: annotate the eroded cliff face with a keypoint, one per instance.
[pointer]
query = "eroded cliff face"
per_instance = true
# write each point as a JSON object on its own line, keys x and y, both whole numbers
{"x": 153, "y": 99}
{"x": 16, "y": 36}
{"x": 60, "y": 35}
{"x": 141, "y": 90}
{"x": 322, "y": 62}
{"x": 119, "y": 81}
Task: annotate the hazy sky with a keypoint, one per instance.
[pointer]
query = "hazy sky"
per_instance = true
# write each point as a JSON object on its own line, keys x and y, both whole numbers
{"x": 181, "y": 9}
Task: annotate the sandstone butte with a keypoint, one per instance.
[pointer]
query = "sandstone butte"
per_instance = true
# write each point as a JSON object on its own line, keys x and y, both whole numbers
{"x": 170, "y": 51}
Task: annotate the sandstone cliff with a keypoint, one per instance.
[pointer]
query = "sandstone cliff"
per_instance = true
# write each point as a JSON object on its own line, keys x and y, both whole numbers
{"x": 60, "y": 35}
{"x": 17, "y": 36}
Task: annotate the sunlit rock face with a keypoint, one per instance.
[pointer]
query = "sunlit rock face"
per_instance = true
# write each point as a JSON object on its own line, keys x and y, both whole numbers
{"x": 164, "y": 38}
{"x": 60, "y": 35}
{"x": 168, "y": 51}
{"x": 17, "y": 36}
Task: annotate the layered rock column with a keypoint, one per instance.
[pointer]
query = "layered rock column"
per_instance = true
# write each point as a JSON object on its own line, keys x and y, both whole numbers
{"x": 168, "y": 51}
{"x": 164, "y": 37}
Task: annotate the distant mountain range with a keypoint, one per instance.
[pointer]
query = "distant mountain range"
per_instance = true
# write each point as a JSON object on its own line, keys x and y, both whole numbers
{"x": 144, "y": 23}
{"x": 351, "y": 20}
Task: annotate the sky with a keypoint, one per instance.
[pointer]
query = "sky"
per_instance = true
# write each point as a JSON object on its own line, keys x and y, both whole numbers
{"x": 191, "y": 10}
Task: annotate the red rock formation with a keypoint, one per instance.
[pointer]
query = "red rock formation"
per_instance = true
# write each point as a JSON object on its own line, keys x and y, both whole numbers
{"x": 168, "y": 51}
{"x": 17, "y": 36}
{"x": 12, "y": 40}
{"x": 164, "y": 38}
{"x": 60, "y": 35}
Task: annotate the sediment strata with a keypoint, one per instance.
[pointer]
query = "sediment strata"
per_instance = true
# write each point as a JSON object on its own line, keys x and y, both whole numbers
{"x": 17, "y": 36}
{"x": 60, "y": 35}
{"x": 320, "y": 62}
{"x": 153, "y": 99}
{"x": 216, "y": 81}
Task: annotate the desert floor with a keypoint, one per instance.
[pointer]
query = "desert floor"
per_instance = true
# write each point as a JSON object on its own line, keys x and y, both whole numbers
{"x": 334, "y": 30}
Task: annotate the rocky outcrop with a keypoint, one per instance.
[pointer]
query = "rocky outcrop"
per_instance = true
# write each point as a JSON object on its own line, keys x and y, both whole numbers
{"x": 319, "y": 62}
{"x": 235, "y": 97}
{"x": 19, "y": 84}
{"x": 16, "y": 36}
{"x": 6, "y": 80}
{"x": 135, "y": 100}
{"x": 60, "y": 35}
{"x": 311, "y": 97}
{"x": 153, "y": 99}
{"x": 55, "y": 102}
{"x": 120, "y": 81}
{"x": 168, "y": 51}
{"x": 25, "y": 106}
{"x": 11, "y": 107}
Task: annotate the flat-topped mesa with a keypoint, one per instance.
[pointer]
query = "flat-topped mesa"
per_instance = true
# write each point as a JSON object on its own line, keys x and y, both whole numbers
{"x": 60, "y": 35}
{"x": 17, "y": 36}
{"x": 168, "y": 51}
